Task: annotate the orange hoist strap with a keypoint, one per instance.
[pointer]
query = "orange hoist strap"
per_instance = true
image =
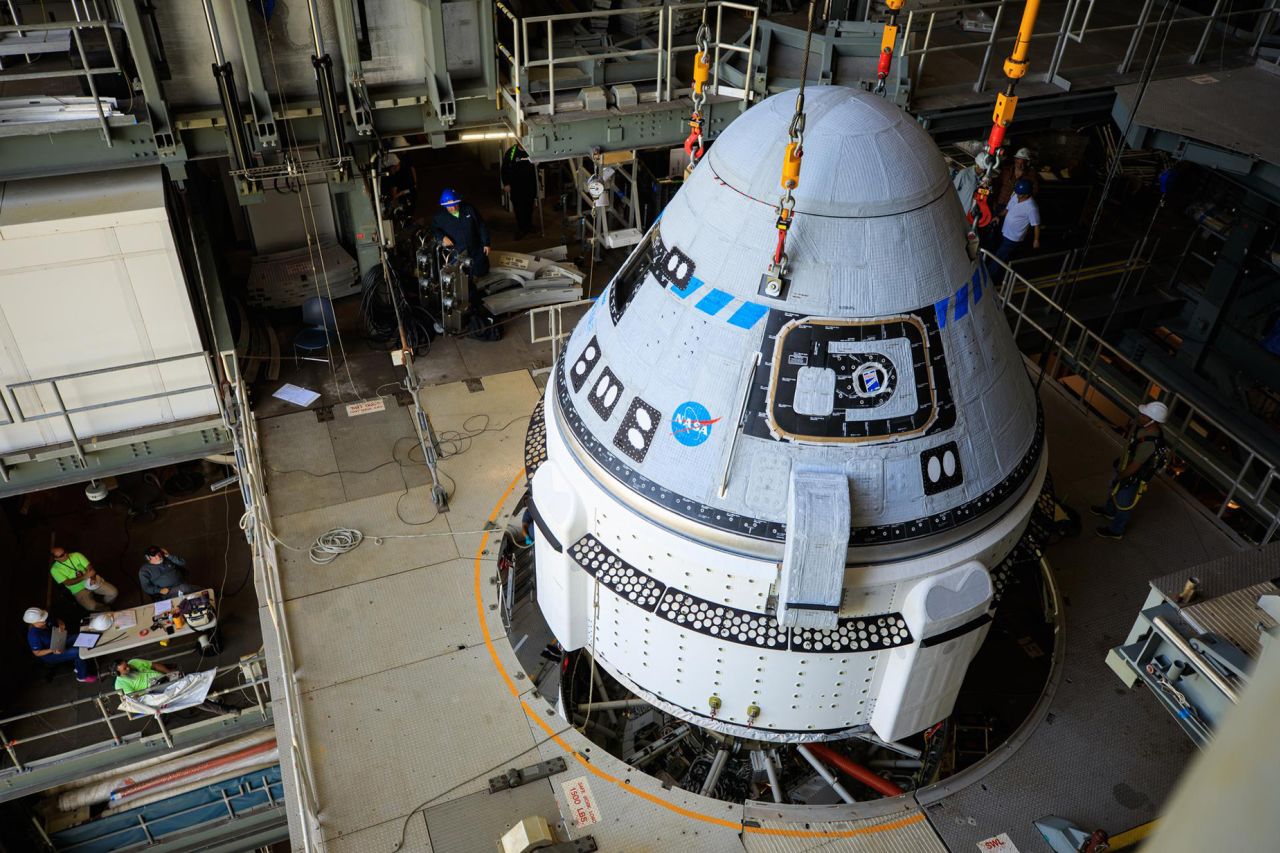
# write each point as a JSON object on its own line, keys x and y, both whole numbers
{"x": 783, "y": 224}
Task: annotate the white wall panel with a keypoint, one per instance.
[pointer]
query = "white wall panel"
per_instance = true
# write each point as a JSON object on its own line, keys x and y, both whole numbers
{"x": 90, "y": 279}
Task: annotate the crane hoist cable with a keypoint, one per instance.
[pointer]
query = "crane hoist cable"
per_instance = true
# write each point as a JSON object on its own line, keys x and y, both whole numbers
{"x": 887, "y": 40}
{"x": 791, "y": 158}
{"x": 693, "y": 144}
{"x": 1015, "y": 68}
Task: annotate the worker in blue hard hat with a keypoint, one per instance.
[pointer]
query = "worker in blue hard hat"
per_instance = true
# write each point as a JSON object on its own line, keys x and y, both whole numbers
{"x": 460, "y": 225}
{"x": 1021, "y": 216}
{"x": 1021, "y": 169}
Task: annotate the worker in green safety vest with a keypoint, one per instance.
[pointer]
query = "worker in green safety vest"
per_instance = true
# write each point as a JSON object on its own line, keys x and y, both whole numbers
{"x": 137, "y": 676}
{"x": 73, "y": 571}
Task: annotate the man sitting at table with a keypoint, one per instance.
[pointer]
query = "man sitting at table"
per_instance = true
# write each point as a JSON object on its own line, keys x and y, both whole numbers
{"x": 74, "y": 571}
{"x": 40, "y": 639}
{"x": 163, "y": 575}
{"x": 138, "y": 676}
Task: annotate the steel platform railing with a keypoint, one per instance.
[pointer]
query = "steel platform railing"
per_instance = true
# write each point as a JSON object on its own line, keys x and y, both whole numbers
{"x": 31, "y": 727}
{"x": 1242, "y": 473}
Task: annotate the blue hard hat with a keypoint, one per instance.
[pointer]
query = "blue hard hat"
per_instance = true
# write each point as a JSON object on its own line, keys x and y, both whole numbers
{"x": 1022, "y": 187}
{"x": 449, "y": 196}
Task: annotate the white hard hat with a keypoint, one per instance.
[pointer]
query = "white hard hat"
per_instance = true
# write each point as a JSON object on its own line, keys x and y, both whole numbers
{"x": 34, "y": 615}
{"x": 982, "y": 160}
{"x": 1155, "y": 410}
{"x": 100, "y": 622}
{"x": 393, "y": 159}
{"x": 1023, "y": 154}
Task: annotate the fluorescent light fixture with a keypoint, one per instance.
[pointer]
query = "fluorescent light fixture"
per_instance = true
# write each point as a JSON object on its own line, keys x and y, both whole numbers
{"x": 495, "y": 134}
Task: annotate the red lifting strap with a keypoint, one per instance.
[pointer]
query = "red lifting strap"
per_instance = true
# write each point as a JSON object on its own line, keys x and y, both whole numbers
{"x": 777, "y": 252}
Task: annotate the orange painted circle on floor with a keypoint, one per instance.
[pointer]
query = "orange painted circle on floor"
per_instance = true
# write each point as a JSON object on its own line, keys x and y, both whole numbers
{"x": 614, "y": 780}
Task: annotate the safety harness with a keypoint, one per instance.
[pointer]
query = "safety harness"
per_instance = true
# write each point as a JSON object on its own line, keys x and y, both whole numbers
{"x": 1154, "y": 464}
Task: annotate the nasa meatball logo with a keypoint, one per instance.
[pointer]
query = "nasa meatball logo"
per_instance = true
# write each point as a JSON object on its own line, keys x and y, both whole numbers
{"x": 691, "y": 424}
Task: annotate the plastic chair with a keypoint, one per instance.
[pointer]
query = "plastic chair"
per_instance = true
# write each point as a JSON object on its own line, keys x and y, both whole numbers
{"x": 320, "y": 327}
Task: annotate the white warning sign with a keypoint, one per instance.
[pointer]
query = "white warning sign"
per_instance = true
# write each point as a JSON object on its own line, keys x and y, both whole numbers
{"x": 580, "y": 802}
{"x": 366, "y": 407}
{"x": 998, "y": 844}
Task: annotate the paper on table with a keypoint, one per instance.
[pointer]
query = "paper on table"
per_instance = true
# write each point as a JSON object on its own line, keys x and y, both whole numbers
{"x": 86, "y": 640}
{"x": 124, "y": 619}
{"x": 297, "y": 395}
{"x": 163, "y": 607}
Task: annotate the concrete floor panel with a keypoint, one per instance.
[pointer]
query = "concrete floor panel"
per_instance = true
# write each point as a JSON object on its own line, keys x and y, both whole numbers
{"x": 399, "y": 834}
{"x": 300, "y": 464}
{"x": 375, "y": 452}
{"x": 389, "y": 742}
{"x": 374, "y": 516}
{"x": 354, "y": 631}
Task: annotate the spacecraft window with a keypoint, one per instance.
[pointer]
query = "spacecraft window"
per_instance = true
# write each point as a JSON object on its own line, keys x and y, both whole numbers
{"x": 627, "y": 282}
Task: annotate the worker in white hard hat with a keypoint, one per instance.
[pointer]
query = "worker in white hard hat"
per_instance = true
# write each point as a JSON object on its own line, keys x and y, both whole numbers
{"x": 1010, "y": 174}
{"x": 966, "y": 180}
{"x": 1145, "y": 454}
{"x": 400, "y": 183}
{"x": 49, "y": 650}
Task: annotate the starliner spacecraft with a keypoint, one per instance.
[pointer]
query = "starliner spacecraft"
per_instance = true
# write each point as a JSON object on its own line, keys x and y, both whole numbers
{"x": 775, "y": 512}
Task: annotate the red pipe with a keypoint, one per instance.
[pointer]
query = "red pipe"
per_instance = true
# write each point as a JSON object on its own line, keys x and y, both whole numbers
{"x": 855, "y": 770}
{"x": 139, "y": 787}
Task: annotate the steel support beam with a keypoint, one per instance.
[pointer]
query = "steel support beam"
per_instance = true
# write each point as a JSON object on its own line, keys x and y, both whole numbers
{"x": 650, "y": 126}
{"x": 438, "y": 80}
{"x": 112, "y": 456}
{"x": 1206, "y": 318}
{"x": 358, "y": 107}
{"x": 167, "y": 143}
{"x": 264, "y": 121}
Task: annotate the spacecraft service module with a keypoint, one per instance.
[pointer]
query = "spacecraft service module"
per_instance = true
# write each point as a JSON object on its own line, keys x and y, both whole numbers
{"x": 776, "y": 515}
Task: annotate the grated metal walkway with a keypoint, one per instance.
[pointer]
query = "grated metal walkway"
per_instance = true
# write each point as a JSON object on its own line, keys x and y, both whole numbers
{"x": 413, "y": 697}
